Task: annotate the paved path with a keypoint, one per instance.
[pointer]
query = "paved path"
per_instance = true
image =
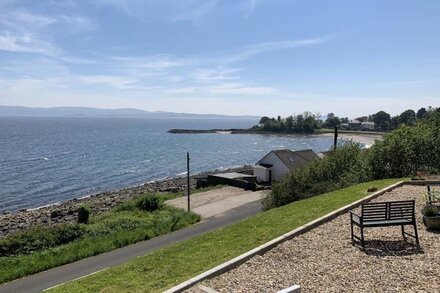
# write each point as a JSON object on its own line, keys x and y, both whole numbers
{"x": 56, "y": 276}
{"x": 216, "y": 202}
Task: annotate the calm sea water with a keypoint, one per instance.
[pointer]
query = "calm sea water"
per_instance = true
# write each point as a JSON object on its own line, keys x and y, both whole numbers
{"x": 47, "y": 160}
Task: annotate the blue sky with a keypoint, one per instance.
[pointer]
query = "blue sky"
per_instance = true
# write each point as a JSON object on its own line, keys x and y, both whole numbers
{"x": 258, "y": 57}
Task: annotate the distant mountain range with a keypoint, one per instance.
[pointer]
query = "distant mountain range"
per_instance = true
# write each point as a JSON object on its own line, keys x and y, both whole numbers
{"x": 95, "y": 112}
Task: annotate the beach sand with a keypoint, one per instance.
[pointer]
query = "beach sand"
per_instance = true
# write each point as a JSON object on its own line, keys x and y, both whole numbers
{"x": 367, "y": 139}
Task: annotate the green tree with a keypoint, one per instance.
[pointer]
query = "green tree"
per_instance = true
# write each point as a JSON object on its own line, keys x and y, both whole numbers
{"x": 395, "y": 122}
{"x": 408, "y": 117}
{"x": 421, "y": 113}
{"x": 309, "y": 124}
{"x": 264, "y": 120}
{"x": 289, "y": 124}
{"x": 382, "y": 120}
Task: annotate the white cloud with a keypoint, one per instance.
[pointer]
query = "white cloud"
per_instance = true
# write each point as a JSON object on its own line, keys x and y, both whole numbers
{"x": 225, "y": 89}
{"x": 215, "y": 74}
{"x": 196, "y": 11}
{"x": 25, "y": 43}
{"x": 114, "y": 81}
{"x": 253, "y": 50}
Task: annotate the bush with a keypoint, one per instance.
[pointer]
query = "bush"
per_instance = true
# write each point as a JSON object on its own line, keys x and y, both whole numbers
{"x": 343, "y": 167}
{"x": 149, "y": 204}
{"x": 407, "y": 150}
{"x": 431, "y": 211}
{"x": 83, "y": 215}
{"x": 372, "y": 189}
{"x": 40, "y": 238}
{"x": 402, "y": 153}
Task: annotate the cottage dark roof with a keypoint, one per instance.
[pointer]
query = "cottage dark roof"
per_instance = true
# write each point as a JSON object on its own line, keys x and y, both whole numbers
{"x": 294, "y": 159}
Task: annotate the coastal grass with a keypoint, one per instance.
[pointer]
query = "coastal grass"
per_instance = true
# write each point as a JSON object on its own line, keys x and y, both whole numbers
{"x": 176, "y": 263}
{"x": 41, "y": 248}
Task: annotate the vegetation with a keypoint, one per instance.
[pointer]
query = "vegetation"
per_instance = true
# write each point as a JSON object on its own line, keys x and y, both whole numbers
{"x": 164, "y": 268}
{"x": 42, "y": 248}
{"x": 303, "y": 123}
{"x": 338, "y": 170}
{"x": 431, "y": 211}
{"x": 402, "y": 153}
{"x": 310, "y": 123}
{"x": 83, "y": 215}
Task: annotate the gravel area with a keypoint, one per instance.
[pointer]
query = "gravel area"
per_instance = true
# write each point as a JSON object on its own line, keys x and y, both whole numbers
{"x": 324, "y": 259}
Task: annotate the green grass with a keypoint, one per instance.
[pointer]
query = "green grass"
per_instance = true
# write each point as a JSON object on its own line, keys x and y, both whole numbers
{"x": 42, "y": 248}
{"x": 169, "y": 266}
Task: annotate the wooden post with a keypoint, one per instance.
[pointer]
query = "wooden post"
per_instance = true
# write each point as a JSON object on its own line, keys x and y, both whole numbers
{"x": 336, "y": 138}
{"x": 188, "y": 181}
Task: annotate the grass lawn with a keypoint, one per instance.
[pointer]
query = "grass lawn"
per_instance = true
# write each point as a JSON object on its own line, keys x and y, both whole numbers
{"x": 169, "y": 266}
{"x": 42, "y": 248}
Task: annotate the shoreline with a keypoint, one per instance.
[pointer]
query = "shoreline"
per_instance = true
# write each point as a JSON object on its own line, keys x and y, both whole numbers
{"x": 66, "y": 211}
{"x": 363, "y": 138}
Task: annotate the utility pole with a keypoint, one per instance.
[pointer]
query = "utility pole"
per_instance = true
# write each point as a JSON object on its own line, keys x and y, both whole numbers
{"x": 336, "y": 137}
{"x": 188, "y": 181}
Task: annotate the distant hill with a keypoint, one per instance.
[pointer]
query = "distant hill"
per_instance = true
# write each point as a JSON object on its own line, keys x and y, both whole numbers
{"x": 95, "y": 112}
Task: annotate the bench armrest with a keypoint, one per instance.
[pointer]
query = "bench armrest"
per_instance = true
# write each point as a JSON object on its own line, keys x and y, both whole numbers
{"x": 354, "y": 215}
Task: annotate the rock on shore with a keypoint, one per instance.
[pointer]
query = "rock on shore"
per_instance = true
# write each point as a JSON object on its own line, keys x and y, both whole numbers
{"x": 67, "y": 211}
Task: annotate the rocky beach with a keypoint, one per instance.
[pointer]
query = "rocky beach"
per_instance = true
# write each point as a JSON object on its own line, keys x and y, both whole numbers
{"x": 66, "y": 212}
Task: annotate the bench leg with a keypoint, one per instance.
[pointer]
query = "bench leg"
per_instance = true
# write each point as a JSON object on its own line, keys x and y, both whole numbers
{"x": 416, "y": 234}
{"x": 403, "y": 232}
{"x": 362, "y": 237}
{"x": 352, "y": 232}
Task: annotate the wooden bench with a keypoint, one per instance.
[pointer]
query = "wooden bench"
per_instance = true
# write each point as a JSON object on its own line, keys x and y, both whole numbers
{"x": 383, "y": 214}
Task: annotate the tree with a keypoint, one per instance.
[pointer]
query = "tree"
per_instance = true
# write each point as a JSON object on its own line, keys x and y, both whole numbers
{"x": 332, "y": 120}
{"x": 289, "y": 123}
{"x": 344, "y": 120}
{"x": 395, "y": 122}
{"x": 309, "y": 124}
{"x": 299, "y": 125}
{"x": 264, "y": 119}
{"x": 382, "y": 120}
{"x": 421, "y": 113}
{"x": 408, "y": 117}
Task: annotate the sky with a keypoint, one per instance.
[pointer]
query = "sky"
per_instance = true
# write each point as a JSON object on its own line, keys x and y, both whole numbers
{"x": 253, "y": 57}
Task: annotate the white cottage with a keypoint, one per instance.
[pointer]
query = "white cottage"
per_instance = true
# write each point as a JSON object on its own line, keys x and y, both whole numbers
{"x": 275, "y": 164}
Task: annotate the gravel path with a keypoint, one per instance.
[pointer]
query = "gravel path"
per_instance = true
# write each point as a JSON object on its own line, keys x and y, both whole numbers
{"x": 324, "y": 260}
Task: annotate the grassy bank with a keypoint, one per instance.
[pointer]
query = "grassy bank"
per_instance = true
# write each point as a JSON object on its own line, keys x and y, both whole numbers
{"x": 42, "y": 248}
{"x": 164, "y": 268}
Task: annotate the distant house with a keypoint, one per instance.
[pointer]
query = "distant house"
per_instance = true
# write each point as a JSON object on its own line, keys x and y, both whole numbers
{"x": 367, "y": 126}
{"x": 275, "y": 164}
{"x": 354, "y": 124}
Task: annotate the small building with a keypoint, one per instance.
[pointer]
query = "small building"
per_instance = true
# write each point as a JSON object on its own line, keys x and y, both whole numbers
{"x": 274, "y": 165}
{"x": 367, "y": 126}
{"x": 354, "y": 124}
{"x": 241, "y": 180}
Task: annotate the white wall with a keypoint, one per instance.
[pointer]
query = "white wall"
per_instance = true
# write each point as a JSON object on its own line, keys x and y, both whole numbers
{"x": 262, "y": 173}
{"x": 278, "y": 169}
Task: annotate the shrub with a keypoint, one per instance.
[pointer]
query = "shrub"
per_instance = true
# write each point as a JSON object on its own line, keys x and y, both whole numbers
{"x": 372, "y": 189}
{"x": 40, "y": 238}
{"x": 83, "y": 215}
{"x": 431, "y": 211}
{"x": 407, "y": 150}
{"x": 343, "y": 167}
{"x": 149, "y": 203}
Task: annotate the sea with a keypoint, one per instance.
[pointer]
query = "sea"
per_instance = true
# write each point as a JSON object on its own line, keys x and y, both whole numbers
{"x": 45, "y": 160}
